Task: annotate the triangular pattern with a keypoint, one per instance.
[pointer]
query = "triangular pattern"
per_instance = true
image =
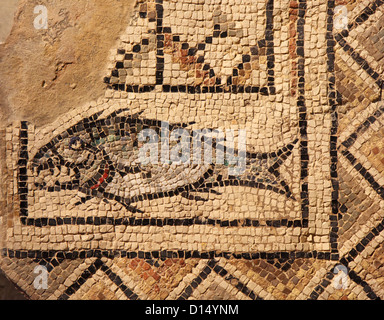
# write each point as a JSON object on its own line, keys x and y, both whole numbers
{"x": 165, "y": 55}
{"x": 155, "y": 278}
{"x": 98, "y": 287}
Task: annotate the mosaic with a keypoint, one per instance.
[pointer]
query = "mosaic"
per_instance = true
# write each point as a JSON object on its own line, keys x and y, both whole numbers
{"x": 287, "y": 106}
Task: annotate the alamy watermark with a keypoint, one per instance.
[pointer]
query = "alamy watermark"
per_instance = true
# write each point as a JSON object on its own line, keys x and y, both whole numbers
{"x": 41, "y": 20}
{"x": 341, "y": 280}
{"x": 202, "y": 146}
{"x": 340, "y": 19}
{"x": 41, "y": 278}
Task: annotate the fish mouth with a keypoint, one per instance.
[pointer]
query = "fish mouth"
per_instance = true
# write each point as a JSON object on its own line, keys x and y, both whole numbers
{"x": 55, "y": 174}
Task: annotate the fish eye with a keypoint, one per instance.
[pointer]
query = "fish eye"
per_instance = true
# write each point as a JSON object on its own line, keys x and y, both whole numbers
{"x": 76, "y": 143}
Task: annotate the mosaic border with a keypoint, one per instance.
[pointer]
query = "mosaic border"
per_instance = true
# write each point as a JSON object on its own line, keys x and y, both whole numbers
{"x": 328, "y": 255}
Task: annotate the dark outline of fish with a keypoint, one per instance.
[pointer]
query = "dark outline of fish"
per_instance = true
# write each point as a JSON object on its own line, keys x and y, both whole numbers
{"x": 95, "y": 187}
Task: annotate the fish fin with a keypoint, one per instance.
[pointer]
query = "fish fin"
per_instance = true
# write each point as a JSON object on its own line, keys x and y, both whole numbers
{"x": 131, "y": 209}
{"x": 136, "y": 115}
{"x": 83, "y": 200}
{"x": 206, "y": 190}
{"x": 122, "y": 174}
{"x": 115, "y": 113}
{"x": 189, "y": 196}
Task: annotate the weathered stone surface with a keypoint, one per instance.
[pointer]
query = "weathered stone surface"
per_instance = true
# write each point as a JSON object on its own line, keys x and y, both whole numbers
{"x": 8, "y": 9}
{"x": 8, "y": 291}
{"x": 45, "y": 73}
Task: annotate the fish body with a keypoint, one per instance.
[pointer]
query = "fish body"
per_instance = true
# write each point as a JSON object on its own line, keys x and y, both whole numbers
{"x": 100, "y": 157}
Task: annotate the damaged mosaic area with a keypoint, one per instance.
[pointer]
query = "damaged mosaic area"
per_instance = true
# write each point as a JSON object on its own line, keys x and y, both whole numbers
{"x": 78, "y": 201}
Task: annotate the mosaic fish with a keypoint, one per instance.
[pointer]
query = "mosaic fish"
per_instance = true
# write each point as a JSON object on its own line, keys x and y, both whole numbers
{"x": 99, "y": 157}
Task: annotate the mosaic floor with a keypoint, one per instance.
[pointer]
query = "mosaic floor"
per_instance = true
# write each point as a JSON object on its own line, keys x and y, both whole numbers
{"x": 306, "y": 88}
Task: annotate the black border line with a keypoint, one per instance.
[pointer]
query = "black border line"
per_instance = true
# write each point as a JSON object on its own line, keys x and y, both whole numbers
{"x": 159, "y": 38}
{"x": 22, "y": 183}
{"x": 302, "y": 111}
{"x": 164, "y": 254}
{"x": 332, "y": 102}
{"x": 158, "y": 222}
